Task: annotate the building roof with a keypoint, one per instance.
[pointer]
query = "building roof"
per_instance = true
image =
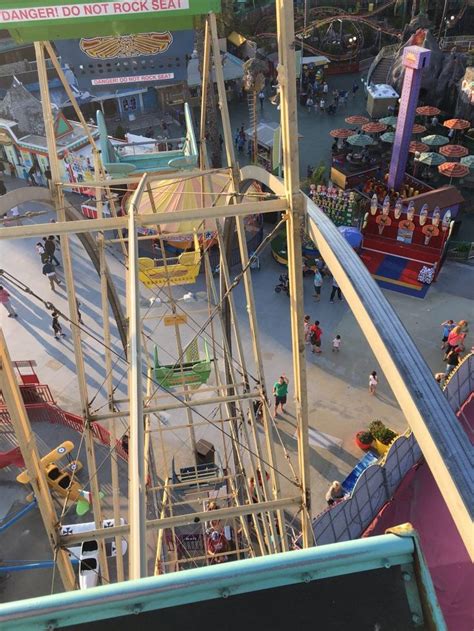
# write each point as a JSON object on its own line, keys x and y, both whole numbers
{"x": 444, "y": 197}
{"x": 23, "y": 107}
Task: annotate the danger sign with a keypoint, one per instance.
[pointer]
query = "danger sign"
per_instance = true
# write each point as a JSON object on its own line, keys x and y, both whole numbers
{"x": 133, "y": 79}
{"x": 90, "y": 9}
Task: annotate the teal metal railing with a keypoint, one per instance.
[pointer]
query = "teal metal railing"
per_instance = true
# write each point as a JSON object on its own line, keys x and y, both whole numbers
{"x": 224, "y": 581}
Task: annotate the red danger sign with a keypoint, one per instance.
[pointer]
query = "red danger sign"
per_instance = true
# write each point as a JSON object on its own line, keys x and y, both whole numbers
{"x": 90, "y": 9}
{"x": 133, "y": 79}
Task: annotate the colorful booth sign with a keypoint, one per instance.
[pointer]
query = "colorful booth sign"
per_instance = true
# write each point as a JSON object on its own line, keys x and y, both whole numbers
{"x": 141, "y": 59}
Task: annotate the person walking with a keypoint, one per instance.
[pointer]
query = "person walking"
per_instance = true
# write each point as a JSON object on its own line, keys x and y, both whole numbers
{"x": 355, "y": 87}
{"x": 309, "y": 103}
{"x": 455, "y": 338}
{"x": 325, "y": 88}
{"x": 3, "y": 188}
{"x": 280, "y": 392}
{"x": 315, "y": 339}
{"x": 335, "y": 289}
{"x": 373, "y": 382}
{"x": 50, "y": 249}
{"x": 50, "y": 272}
{"x": 58, "y": 331}
{"x": 79, "y": 314}
{"x": 452, "y": 359}
{"x": 39, "y": 247}
{"x": 448, "y": 326}
{"x": 261, "y": 98}
{"x": 336, "y": 344}
{"x": 307, "y": 329}
{"x": 335, "y": 492}
{"x": 318, "y": 283}
{"x": 322, "y": 105}
{"x": 5, "y": 301}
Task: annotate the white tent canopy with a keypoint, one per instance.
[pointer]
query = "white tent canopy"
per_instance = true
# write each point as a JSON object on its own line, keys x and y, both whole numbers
{"x": 233, "y": 68}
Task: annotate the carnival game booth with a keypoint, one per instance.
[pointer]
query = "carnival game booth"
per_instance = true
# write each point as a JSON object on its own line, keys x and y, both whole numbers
{"x": 404, "y": 239}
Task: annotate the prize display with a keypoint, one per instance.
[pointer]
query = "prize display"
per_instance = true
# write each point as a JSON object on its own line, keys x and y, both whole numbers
{"x": 338, "y": 205}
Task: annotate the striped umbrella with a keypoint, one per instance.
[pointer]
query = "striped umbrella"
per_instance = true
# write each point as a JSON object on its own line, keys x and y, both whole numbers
{"x": 374, "y": 128}
{"x": 453, "y": 169}
{"x": 432, "y": 159}
{"x": 457, "y": 123}
{"x": 391, "y": 121}
{"x": 454, "y": 151}
{"x": 360, "y": 140}
{"x": 428, "y": 110}
{"x": 342, "y": 132}
{"x": 357, "y": 120}
{"x": 435, "y": 140}
{"x": 417, "y": 146}
{"x": 468, "y": 161}
{"x": 389, "y": 136}
{"x": 418, "y": 129}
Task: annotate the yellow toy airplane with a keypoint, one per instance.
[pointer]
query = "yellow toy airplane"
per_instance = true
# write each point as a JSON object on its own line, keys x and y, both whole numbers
{"x": 59, "y": 479}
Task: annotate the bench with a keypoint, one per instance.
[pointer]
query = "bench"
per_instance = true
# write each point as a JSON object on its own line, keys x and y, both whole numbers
{"x": 198, "y": 475}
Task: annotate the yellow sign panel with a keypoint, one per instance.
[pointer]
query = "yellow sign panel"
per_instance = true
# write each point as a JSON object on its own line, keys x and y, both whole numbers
{"x": 5, "y": 138}
{"x": 171, "y": 320}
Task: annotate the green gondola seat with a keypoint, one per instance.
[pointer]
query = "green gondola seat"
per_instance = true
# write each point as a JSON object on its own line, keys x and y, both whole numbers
{"x": 193, "y": 372}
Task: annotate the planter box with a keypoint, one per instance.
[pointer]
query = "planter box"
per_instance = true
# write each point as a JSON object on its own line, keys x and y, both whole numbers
{"x": 363, "y": 446}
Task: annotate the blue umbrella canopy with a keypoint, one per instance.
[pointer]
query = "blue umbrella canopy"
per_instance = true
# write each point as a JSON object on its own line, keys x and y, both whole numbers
{"x": 435, "y": 140}
{"x": 360, "y": 140}
{"x": 352, "y": 235}
{"x": 468, "y": 161}
{"x": 391, "y": 121}
{"x": 388, "y": 136}
{"x": 431, "y": 158}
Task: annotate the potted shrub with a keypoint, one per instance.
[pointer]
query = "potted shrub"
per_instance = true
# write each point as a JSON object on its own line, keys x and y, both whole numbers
{"x": 364, "y": 440}
{"x": 382, "y": 436}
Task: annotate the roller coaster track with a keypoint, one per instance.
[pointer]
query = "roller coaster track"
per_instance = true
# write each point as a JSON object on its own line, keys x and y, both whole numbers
{"x": 338, "y": 14}
{"x": 40, "y": 195}
{"x": 363, "y": 18}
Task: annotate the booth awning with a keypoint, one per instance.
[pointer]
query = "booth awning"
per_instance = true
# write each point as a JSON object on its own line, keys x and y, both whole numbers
{"x": 232, "y": 66}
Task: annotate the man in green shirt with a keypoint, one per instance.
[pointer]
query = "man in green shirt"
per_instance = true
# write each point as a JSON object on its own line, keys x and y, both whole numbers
{"x": 280, "y": 390}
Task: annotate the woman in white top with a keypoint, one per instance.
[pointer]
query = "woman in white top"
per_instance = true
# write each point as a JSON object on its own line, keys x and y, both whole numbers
{"x": 373, "y": 381}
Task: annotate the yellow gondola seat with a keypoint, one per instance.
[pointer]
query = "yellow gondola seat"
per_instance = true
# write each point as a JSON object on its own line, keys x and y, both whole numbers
{"x": 184, "y": 272}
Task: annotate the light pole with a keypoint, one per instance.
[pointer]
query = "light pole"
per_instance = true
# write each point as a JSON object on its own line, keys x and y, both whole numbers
{"x": 352, "y": 46}
{"x": 448, "y": 24}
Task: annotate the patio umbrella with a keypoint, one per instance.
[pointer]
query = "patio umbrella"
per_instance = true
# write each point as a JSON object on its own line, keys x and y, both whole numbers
{"x": 435, "y": 140}
{"x": 457, "y": 123}
{"x": 453, "y": 169}
{"x": 431, "y": 159}
{"x": 360, "y": 140}
{"x": 428, "y": 110}
{"x": 356, "y": 120}
{"x": 391, "y": 121}
{"x": 468, "y": 161}
{"x": 454, "y": 151}
{"x": 389, "y": 136}
{"x": 418, "y": 129}
{"x": 415, "y": 146}
{"x": 341, "y": 133}
{"x": 374, "y": 128}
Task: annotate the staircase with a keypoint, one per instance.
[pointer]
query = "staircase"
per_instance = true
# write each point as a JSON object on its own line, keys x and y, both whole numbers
{"x": 380, "y": 67}
{"x": 253, "y": 119}
{"x": 380, "y": 73}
